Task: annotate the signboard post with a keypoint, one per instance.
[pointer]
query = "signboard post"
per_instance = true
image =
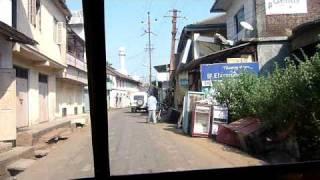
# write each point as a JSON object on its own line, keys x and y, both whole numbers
{"x": 274, "y": 7}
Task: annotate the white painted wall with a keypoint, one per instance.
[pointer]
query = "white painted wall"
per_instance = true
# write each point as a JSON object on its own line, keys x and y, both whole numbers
{"x": 125, "y": 100}
{"x": 52, "y": 96}
{"x": 69, "y": 96}
{"x": 44, "y": 37}
{"x": 6, "y": 11}
{"x": 33, "y": 95}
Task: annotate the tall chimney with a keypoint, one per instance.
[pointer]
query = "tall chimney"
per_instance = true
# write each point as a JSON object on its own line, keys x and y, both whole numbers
{"x": 122, "y": 55}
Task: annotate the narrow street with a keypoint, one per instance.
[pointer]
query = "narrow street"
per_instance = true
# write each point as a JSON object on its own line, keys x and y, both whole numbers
{"x": 137, "y": 147}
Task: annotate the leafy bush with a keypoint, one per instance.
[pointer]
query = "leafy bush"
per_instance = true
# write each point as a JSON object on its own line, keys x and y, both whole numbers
{"x": 286, "y": 97}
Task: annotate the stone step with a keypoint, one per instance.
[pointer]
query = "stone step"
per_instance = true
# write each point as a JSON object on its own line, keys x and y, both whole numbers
{"x": 31, "y": 135}
{"x": 14, "y": 154}
{"x": 5, "y": 146}
{"x": 19, "y": 166}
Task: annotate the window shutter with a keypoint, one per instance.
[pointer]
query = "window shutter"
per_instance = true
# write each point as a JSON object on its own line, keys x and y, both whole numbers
{"x": 32, "y": 11}
{"x": 59, "y": 33}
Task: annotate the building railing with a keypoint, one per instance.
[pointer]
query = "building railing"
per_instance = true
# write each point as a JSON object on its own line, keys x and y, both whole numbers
{"x": 75, "y": 62}
{"x": 75, "y": 75}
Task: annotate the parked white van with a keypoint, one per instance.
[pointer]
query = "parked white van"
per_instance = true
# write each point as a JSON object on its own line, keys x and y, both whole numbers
{"x": 138, "y": 101}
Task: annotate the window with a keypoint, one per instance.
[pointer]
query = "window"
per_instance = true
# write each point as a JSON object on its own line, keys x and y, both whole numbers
{"x": 64, "y": 112}
{"x": 38, "y": 14}
{"x": 21, "y": 72}
{"x": 75, "y": 110}
{"x": 43, "y": 78}
{"x": 58, "y": 31}
{"x": 238, "y": 18}
{"x": 34, "y": 13}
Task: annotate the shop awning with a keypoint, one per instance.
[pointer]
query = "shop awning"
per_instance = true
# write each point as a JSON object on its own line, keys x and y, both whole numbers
{"x": 212, "y": 58}
{"x": 14, "y": 35}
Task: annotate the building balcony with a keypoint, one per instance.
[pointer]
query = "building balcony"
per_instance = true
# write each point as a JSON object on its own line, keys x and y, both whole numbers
{"x": 76, "y": 62}
{"x": 75, "y": 75}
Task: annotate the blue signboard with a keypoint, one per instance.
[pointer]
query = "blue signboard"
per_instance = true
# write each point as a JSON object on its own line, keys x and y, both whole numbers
{"x": 216, "y": 72}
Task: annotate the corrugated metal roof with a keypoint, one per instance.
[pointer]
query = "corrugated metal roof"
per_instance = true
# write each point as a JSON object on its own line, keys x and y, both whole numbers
{"x": 61, "y": 4}
{"x": 162, "y": 68}
{"x": 211, "y": 58}
{"x": 217, "y": 19}
{"x": 220, "y": 5}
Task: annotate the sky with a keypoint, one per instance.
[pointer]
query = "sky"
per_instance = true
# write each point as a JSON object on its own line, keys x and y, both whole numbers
{"x": 124, "y": 28}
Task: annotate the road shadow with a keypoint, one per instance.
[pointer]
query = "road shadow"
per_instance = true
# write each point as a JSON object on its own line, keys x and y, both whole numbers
{"x": 172, "y": 128}
{"x": 142, "y": 122}
{"x": 142, "y": 112}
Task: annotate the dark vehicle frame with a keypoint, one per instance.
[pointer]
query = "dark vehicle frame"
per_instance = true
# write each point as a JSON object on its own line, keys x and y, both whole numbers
{"x": 96, "y": 56}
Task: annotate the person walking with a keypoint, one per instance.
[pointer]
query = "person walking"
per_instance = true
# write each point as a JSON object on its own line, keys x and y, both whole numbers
{"x": 117, "y": 100}
{"x": 152, "y": 107}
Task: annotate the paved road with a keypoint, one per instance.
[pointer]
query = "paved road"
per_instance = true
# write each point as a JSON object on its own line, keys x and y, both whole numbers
{"x": 69, "y": 159}
{"x": 137, "y": 147}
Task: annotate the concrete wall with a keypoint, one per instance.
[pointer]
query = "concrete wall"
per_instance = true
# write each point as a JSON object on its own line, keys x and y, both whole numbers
{"x": 6, "y": 11}
{"x": 69, "y": 96}
{"x": 33, "y": 96}
{"x": 5, "y": 53}
{"x": 7, "y": 92}
{"x": 249, "y": 13}
{"x": 45, "y": 35}
{"x": 270, "y": 53}
{"x": 52, "y": 96}
{"x": 7, "y": 104}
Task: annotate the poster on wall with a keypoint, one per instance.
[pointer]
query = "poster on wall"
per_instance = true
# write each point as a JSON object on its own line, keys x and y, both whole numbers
{"x": 274, "y": 7}
{"x": 218, "y": 71}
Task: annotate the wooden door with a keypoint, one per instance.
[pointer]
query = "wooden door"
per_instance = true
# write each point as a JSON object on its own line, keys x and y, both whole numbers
{"x": 43, "y": 98}
{"x": 22, "y": 112}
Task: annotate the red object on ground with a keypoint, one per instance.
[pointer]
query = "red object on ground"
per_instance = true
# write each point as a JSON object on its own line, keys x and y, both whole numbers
{"x": 234, "y": 133}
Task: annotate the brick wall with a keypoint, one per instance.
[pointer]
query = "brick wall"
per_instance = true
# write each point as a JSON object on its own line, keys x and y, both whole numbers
{"x": 281, "y": 25}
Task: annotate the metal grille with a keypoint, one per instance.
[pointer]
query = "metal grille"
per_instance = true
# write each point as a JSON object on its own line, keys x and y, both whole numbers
{"x": 21, "y": 72}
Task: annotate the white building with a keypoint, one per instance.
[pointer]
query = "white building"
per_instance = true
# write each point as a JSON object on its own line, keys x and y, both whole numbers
{"x": 119, "y": 88}
{"x": 37, "y": 66}
{"x": 71, "y": 82}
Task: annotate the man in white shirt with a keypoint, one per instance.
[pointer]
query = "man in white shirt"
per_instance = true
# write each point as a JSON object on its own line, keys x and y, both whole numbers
{"x": 152, "y": 106}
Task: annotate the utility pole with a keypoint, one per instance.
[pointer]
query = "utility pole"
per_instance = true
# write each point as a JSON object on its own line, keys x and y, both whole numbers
{"x": 149, "y": 32}
{"x": 174, "y": 17}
